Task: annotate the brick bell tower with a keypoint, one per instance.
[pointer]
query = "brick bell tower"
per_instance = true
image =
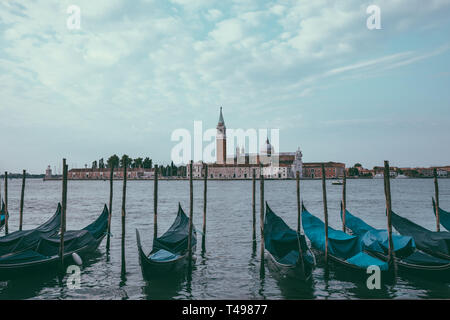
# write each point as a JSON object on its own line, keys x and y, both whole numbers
{"x": 221, "y": 140}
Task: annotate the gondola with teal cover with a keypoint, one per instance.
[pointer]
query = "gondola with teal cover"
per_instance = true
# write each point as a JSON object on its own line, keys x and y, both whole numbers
{"x": 282, "y": 249}
{"x": 408, "y": 258}
{"x": 2, "y": 216}
{"x": 434, "y": 243}
{"x": 44, "y": 256}
{"x": 169, "y": 255}
{"x": 444, "y": 216}
{"x": 343, "y": 249}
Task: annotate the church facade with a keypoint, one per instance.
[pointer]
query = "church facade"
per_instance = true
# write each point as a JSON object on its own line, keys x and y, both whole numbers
{"x": 244, "y": 165}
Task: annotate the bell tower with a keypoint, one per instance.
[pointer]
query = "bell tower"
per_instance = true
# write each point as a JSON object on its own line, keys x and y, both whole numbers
{"x": 221, "y": 140}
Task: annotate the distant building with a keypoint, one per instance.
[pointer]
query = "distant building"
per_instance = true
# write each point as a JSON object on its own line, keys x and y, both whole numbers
{"x": 104, "y": 173}
{"x": 48, "y": 172}
{"x": 333, "y": 170}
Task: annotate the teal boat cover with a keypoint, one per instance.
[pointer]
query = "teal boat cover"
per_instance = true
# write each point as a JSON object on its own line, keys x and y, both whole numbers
{"x": 283, "y": 242}
{"x": 444, "y": 217}
{"x": 175, "y": 239}
{"x": 340, "y": 244}
{"x": 163, "y": 255}
{"x": 377, "y": 240}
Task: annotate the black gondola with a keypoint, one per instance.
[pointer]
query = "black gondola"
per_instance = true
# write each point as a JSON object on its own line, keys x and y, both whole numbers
{"x": 18, "y": 241}
{"x": 409, "y": 260}
{"x": 2, "y": 216}
{"x": 169, "y": 255}
{"x": 434, "y": 243}
{"x": 44, "y": 257}
{"x": 282, "y": 249}
{"x": 444, "y": 216}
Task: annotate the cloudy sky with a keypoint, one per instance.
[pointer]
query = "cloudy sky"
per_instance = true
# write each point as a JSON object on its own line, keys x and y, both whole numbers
{"x": 137, "y": 70}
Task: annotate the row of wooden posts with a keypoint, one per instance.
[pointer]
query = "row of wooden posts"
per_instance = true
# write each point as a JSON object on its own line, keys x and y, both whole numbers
{"x": 262, "y": 206}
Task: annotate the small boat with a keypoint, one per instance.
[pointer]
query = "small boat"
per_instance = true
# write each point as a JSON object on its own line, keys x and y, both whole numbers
{"x": 444, "y": 216}
{"x": 282, "y": 249}
{"x": 343, "y": 249}
{"x": 169, "y": 255}
{"x": 378, "y": 176}
{"x": 409, "y": 260}
{"x": 27, "y": 239}
{"x": 337, "y": 183}
{"x": 44, "y": 257}
{"x": 434, "y": 243}
{"x": 402, "y": 176}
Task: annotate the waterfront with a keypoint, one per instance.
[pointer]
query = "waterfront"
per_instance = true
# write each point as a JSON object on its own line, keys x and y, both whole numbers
{"x": 229, "y": 269}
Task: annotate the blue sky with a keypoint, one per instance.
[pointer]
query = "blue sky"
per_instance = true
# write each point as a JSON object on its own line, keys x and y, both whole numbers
{"x": 138, "y": 70}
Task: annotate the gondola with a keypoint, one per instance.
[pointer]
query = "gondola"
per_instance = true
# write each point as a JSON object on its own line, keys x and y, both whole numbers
{"x": 18, "y": 241}
{"x": 444, "y": 216}
{"x": 44, "y": 257}
{"x": 169, "y": 255}
{"x": 408, "y": 259}
{"x": 282, "y": 252}
{"x": 434, "y": 243}
{"x": 343, "y": 249}
{"x": 2, "y": 216}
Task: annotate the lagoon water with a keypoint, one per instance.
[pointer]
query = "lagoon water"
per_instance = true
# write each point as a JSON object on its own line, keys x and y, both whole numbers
{"x": 229, "y": 269}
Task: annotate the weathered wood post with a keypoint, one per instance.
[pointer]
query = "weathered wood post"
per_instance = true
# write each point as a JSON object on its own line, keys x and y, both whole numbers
{"x": 63, "y": 215}
{"x": 6, "y": 203}
{"x": 111, "y": 185}
{"x": 436, "y": 197}
{"x": 254, "y": 206}
{"x": 155, "y": 203}
{"x": 325, "y": 210}
{"x": 124, "y": 196}
{"x": 261, "y": 217}
{"x": 344, "y": 200}
{"x": 191, "y": 211}
{"x": 22, "y": 195}
{"x": 387, "y": 192}
{"x": 205, "y": 188}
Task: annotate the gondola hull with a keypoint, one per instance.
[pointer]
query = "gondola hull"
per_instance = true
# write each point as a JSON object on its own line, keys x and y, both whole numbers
{"x": 46, "y": 266}
{"x": 287, "y": 271}
{"x": 155, "y": 269}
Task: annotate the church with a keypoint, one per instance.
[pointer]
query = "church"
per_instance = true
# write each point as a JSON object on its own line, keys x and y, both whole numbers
{"x": 281, "y": 165}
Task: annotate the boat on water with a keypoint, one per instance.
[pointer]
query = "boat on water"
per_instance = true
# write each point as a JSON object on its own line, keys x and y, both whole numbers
{"x": 169, "y": 254}
{"x": 434, "y": 243}
{"x": 343, "y": 249}
{"x": 337, "y": 183}
{"x": 378, "y": 176}
{"x": 286, "y": 250}
{"x": 44, "y": 257}
{"x": 444, "y": 216}
{"x": 408, "y": 258}
{"x": 22, "y": 240}
{"x": 402, "y": 176}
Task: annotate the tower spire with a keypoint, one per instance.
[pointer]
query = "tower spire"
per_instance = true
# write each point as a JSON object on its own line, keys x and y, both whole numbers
{"x": 221, "y": 117}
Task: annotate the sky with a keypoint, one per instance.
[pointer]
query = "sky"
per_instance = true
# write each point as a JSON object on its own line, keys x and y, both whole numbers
{"x": 135, "y": 71}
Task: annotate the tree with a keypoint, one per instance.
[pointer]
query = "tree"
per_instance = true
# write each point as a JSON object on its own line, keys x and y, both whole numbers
{"x": 353, "y": 172}
{"x": 94, "y": 165}
{"x": 147, "y": 163}
{"x": 101, "y": 164}
{"x": 113, "y": 162}
{"x": 138, "y": 163}
{"x": 125, "y": 160}
{"x": 358, "y": 165}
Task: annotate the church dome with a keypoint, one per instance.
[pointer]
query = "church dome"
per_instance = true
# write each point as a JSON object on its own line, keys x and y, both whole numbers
{"x": 266, "y": 148}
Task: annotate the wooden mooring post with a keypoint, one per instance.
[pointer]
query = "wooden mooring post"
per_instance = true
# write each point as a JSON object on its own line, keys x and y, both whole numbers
{"x": 344, "y": 200}
{"x": 22, "y": 195}
{"x": 299, "y": 221}
{"x": 155, "y": 203}
{"x": 387, "y": 193}
{"x": 124, "y": 196}
{"x": 436, "y": 197}
{"x": 63, "y": 215}
{"x": 111, "y": 192}
{"x": 191, "y": 212}
{"x": 6, "y": 203}
{"x": 205, "y": 189}
{"x": 325, "y": 211}
{"x": 261, "y": 217}
{"x": 254, "y": 206}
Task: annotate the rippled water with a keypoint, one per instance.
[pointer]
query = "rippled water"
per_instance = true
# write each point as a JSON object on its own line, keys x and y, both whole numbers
{"x": 229, "y": 269}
